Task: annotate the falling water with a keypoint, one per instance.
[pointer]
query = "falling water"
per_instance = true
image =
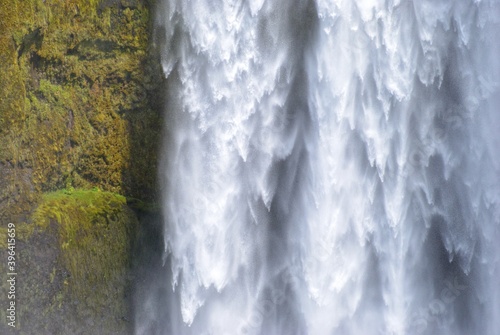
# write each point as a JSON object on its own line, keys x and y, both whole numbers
{"x": 330, "y": 167}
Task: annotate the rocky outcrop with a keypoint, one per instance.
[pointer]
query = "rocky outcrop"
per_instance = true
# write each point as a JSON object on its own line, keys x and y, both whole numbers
{"x": 79, "y": 130}
{"x": 79, "y": 104}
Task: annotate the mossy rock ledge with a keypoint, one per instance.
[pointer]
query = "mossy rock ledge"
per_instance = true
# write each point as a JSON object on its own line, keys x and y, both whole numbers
{"x": 74, "y": 265}
{"x": 80, "y": 123}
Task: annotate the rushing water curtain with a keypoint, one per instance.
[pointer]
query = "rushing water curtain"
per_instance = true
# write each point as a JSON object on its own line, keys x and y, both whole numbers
{"x": 330, "y": 167}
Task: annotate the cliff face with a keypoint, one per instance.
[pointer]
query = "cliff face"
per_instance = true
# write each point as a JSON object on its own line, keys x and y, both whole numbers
{"x": 78, "y": 107}
{"x": 79, "y": 116}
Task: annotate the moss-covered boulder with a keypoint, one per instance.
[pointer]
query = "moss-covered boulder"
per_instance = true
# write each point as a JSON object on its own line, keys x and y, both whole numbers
{"x": 73, "y": 266}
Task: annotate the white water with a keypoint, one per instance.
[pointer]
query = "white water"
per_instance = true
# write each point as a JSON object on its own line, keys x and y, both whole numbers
{"x": 330, "y": 167}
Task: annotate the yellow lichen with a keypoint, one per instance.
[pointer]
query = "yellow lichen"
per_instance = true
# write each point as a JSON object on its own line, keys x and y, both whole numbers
{"x": 74, "y": 88}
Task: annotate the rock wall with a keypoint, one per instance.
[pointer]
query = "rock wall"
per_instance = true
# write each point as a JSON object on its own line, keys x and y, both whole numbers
{"x": 80, "y": 121}
{"x": 78, "y": 104}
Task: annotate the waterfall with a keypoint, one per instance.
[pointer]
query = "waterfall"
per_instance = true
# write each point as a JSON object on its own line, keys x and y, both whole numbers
{"x": 329, "y": 167}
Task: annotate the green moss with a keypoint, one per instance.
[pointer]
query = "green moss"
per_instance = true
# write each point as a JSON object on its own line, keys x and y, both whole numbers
{"x": 95, "y": 230}
{"x": 76, "y": 106}
{"x": 73, "y": 264}
{"x": 77, "y": 110}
